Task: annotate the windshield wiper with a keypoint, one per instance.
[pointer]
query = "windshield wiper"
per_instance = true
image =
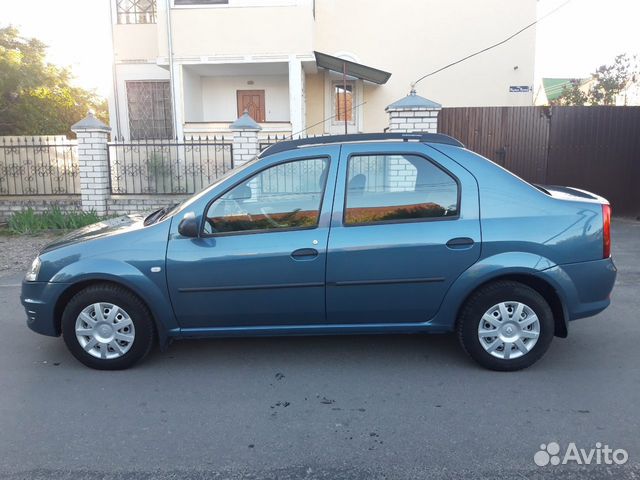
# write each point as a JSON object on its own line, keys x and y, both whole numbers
{"x": 151, "y": 217}
{"x": 158, "y": 215}
{"x": 167, "y": 210}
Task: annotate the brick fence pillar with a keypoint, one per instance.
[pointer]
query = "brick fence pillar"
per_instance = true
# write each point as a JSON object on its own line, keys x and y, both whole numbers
{"x": 245, "y": 139}
{"x": 93, "y": 163}
{"x": 413, "y": 113}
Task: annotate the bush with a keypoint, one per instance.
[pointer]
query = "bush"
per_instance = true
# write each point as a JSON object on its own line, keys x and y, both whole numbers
{"x": 28, "y": 221}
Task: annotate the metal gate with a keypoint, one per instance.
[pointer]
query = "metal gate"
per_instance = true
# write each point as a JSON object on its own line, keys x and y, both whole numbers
{"x": 594, "y": 148}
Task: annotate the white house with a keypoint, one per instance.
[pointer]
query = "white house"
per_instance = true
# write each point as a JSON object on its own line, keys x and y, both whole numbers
{"x": 190, "y": 67}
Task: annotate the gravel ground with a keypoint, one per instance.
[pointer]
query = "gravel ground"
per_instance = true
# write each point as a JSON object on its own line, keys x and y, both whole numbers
{"x": 18, "y": 251}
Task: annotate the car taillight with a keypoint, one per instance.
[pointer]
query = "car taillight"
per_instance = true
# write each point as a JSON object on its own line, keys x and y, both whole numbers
{"x": 606, "y": 231}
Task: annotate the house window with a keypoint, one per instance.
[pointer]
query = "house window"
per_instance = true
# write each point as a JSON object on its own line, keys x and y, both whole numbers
{"x": 199, "y": 2}
{"x": 136, "y": 11}
{"x": 150, "y": 113}
{"x": 341, "y": 110}
{"x": 398, "y": 188}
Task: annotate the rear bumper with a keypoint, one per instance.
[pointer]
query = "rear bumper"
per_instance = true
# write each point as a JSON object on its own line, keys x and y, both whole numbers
{"x": 39, "y": 300}
{"x": 586, "y": 286}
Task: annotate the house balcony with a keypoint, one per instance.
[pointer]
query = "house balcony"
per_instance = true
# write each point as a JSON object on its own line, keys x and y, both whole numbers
{"x": 214, "y": 95}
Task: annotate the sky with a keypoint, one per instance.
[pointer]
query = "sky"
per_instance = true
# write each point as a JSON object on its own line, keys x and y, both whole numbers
{"x": 77, "y": 32}
{"x": 570, "y": 43}
{"x": 585, "y": 34}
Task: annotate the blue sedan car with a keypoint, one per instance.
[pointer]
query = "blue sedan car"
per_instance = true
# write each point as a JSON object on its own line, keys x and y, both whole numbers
{"x": 381, "y": 233}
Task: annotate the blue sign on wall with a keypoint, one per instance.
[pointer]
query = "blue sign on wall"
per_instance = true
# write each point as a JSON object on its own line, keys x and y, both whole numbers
{"x": 519, "y": 89}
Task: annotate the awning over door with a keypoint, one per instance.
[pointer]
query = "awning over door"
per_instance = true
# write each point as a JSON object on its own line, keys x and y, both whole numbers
{"x": 351, "y": 69}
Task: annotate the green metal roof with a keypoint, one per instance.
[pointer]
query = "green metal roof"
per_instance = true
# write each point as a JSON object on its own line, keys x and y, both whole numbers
{"x": 553, "y": 87}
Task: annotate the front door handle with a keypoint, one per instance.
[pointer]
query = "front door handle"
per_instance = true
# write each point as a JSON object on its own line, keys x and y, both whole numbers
{"x": 304, "y": 254}
{"x": 460, "y": 243}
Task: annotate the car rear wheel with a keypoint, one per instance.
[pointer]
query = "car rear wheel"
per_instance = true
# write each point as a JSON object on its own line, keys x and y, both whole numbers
{"x": 506, "y": 326}
{"x": 107, "y": 327}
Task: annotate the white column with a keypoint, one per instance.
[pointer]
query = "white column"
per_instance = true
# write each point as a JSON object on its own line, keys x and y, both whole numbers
{"x": 245, "y": 139}
{"x": 410, "y": 120}
{"x": 295, "y": 95}
{"x": 93, "y": 162}
{"x": 178, "y": 96}
{"x": 245, "y": 146}
{"x": 413, "y": 113}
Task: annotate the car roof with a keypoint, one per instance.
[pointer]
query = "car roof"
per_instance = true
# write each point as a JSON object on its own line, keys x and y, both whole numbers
{"x": 359, "y": 137}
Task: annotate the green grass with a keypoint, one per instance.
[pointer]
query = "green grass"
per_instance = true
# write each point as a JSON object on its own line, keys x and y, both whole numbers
{"x": 29, "y": 222}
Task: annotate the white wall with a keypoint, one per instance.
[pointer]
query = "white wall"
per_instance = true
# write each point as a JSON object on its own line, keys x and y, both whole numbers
{"x": 192, "y": 84}
{"x": 240, "y": 29}
{"x": 405, "y": 37}
{"x": 219, "y": 99}
{"x": 410, "y": 38}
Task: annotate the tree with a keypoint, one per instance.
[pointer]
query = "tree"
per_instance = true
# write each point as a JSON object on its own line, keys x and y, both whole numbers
{"x": 605, "y": 84}
{"x": 36, "y": 97}
{"x": 572, "y": 94}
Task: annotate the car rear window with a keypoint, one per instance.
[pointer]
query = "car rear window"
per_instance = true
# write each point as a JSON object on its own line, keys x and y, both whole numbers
{"x": 395, "y": 188}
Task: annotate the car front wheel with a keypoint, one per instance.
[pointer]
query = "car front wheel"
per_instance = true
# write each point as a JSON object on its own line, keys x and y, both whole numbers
{"x": 107, "y": 327}
{"x": 506, "y": 326}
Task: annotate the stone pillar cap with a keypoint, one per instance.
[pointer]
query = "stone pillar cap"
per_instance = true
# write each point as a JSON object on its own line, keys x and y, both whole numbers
{"x": 90, "y": 123}
{"x": 413, "y": 102}
{"x": 245, "y": 122}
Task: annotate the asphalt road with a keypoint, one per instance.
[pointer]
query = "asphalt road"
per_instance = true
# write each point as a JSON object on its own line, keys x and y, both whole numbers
{"x": 396, "y": 407}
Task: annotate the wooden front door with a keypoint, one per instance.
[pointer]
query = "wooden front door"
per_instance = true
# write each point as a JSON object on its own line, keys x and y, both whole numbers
{"x": 253, "y": 102}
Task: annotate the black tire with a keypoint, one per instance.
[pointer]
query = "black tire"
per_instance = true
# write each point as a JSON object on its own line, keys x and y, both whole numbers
{"x": 484, "y": 299}
{"x": 137, "y": 311}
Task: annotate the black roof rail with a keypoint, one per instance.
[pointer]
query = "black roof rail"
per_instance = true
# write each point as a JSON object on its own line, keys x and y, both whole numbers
{"x": 285, "y": 145}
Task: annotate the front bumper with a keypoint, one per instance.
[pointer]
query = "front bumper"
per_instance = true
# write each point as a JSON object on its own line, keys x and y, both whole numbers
{"x": 39, "y": 300}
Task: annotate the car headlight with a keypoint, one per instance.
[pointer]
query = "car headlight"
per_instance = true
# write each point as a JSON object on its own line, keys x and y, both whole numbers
{"x": 32, "y": 274}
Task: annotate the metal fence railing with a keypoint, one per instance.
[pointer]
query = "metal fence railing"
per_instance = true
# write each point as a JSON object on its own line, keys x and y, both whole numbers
{"x": 265, "y": 142}
{"x": 39, "y": 166}
{"x": 375, "y": 170}
{"x": 168, "y": 166}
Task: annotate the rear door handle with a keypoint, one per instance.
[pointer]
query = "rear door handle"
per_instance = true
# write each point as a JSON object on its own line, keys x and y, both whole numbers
{"x": 304, "y": 254}
{"x": 460, "y": 243}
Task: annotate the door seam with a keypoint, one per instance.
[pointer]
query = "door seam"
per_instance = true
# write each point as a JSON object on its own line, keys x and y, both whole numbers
{"x": 326, "y": 256}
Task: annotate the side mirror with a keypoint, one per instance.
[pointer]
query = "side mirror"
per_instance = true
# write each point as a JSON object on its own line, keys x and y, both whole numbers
{"x": 188, "y": 226}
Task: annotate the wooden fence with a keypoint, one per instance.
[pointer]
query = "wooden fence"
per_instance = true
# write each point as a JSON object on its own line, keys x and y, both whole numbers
{"x": 594, "y": 148}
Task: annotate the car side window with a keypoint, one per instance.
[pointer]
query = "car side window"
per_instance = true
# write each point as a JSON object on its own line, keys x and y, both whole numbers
{"x": 395, "y": 188}
{"x": 285, "y": 196}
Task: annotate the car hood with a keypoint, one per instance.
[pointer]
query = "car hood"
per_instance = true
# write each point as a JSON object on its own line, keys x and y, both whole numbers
{"x": 106, "y": 228}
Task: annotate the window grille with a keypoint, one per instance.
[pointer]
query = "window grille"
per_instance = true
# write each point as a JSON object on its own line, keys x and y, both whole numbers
{"x": 150, "y": 112}
{"x": 136, "y": 11}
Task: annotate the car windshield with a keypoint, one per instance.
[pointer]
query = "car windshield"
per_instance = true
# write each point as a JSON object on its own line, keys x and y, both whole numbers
{"x": 195, "y": 197}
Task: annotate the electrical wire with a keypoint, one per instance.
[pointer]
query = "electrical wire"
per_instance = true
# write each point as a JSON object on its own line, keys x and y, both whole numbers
{"x": 491, "y": 46}
{"x": 449, "y": 65}
{"x": 339, "y": 112}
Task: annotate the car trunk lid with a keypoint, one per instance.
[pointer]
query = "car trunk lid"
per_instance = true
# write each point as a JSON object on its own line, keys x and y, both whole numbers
{"x": 571, "y": 193}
